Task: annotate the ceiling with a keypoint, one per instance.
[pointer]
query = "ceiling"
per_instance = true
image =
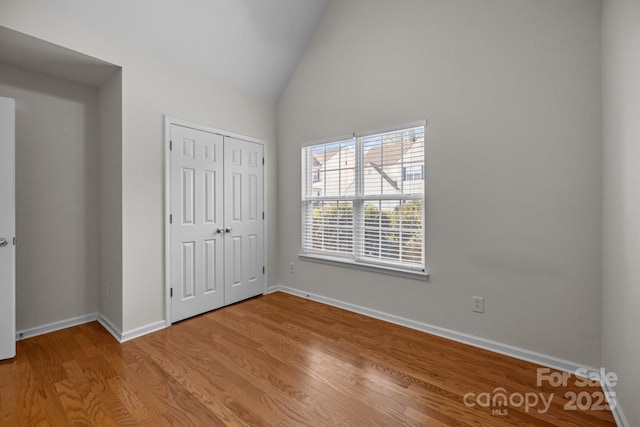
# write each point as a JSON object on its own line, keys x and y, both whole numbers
{"x": 252, "y": 44}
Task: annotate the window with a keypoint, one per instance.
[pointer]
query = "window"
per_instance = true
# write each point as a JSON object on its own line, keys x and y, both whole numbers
{"x": 363, "y": 199}
{"x": 412, "y": 173}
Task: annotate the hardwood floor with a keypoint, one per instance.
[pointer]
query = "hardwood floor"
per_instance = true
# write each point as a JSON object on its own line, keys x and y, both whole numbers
{"x": 276, "y": 360}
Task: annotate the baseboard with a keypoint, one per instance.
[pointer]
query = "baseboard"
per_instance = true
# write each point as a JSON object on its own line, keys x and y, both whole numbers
{"x": 133, "y": 333}
{"x": 618, "y": 415}
{"x": 110, "y": 327}
{"x": 55, "y": 326}
{"x": 143, "y": 330}
{"x": 106, "y": 323}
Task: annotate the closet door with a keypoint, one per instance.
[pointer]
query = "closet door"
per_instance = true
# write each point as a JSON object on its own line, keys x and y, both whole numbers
{"x": 197, "y": 233}
{"x": 244, "y": 220}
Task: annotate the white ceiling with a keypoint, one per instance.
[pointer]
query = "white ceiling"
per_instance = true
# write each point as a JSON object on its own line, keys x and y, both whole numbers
{"x": 251, "y": 44}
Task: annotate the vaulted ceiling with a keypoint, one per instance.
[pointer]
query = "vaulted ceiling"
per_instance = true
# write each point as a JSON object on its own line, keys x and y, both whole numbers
{"x": 252, "y": 44}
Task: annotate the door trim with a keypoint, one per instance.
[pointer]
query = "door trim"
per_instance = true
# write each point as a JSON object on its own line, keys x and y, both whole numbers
{"x": 8, "y": 228}
{"x": 168, "y": 121}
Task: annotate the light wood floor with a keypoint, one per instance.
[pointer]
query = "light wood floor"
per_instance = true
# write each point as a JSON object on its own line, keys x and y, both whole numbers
{"x": 275, "y": 360}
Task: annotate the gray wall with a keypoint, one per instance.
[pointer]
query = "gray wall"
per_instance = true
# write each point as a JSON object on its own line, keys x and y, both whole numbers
{"x": 621, "y": 292}
{"x": 511, "y": 90}
{"x": 56, "y": 197}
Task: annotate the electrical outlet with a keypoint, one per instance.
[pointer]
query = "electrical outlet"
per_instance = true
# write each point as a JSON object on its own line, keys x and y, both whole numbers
{"x": 478, "y": 304}
{"x": 292, "y": 267}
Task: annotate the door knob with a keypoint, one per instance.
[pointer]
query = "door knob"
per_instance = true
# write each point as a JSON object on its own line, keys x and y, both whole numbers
{"x": 219, "y": 230}
{"x": 4, "y": 242}
{"x": 228, "y": 229}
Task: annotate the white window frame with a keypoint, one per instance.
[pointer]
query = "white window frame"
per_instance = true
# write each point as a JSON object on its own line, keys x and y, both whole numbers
{"x": 358, "y": 200}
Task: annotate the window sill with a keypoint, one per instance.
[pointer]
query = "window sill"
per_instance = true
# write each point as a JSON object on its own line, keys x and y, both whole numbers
{"x": 340, "y": 262}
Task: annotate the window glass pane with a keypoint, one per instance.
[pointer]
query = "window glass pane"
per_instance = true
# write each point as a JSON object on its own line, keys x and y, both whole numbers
{"x": 393, "y": 231}
{"x": 333, "y": 169}
{"x": 329, "y": 226}
{"x": 392, "y": 163}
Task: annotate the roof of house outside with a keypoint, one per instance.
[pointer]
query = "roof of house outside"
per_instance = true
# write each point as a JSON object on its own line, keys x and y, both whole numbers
{"x": 387, "y": 154}
{"x": 319, "y": 157}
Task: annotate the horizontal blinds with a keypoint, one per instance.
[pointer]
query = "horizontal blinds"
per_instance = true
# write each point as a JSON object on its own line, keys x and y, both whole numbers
{"x": 363, "y": 198}
{"x": 328, "y": 227}
{"x": 392, "y": 232}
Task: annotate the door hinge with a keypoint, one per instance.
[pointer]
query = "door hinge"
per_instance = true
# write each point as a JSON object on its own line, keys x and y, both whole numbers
{"x": 262, "y": 215}
{"x": 14, "y": 241}
{"x": 170, "y": 145}
{"x": 264, "y": 269}
{"x": 171, "y": 292}
{"x": 263, "y": 160}
{"x": 171, "y": 219}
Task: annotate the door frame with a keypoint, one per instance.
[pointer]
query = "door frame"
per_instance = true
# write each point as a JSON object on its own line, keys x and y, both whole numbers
{"x": 168, "y": 121}
{"x": 8, "y": 231}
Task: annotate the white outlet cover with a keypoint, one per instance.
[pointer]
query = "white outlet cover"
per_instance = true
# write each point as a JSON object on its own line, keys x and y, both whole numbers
{"x": 478, "y": 304}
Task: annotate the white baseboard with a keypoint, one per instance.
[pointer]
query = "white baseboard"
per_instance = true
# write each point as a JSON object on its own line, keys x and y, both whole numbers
{"x": 618, "y": 415}
{"x": 55, "y": 326}
{"x": 133, "y": 333}
{"x": 110, "y": 327}
{"x": 106, "y": 323}
{"x": 143, "y": 330}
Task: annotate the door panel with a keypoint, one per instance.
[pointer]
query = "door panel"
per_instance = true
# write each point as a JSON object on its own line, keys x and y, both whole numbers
{"x": 244, "y": 204}
{"x": 236, "y": 198}
{"x": 211, "y": 257}
{"x": 197, "y": 269}
{"x": 236, "y": 261}
{"x": 188, "y": 270}
{"x": 7, "y": 230}
{"x": 188, "y": 196}
{"x": 210, "y": 208}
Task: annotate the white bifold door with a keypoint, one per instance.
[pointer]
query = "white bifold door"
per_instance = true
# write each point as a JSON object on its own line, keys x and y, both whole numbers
{"x": 217, "y": 221}
{"x": 7, "y": 230}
